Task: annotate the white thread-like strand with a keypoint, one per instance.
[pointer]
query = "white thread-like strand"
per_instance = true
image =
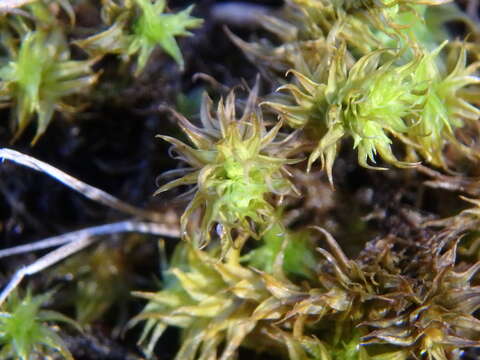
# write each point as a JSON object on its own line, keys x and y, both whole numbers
{"x": 74, "y": 242}
{"x": 86, "y": 190}
{"x": 122, "y": 226}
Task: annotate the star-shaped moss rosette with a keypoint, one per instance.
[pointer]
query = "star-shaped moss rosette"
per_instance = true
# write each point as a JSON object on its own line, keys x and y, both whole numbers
{"x": 24, "y": 330}
{"x": 137, "y": 27}
{"x": 395, "y": 305}
{"x": 376, "y": 100}
{"x": 368, "y": 102}
{"x": 236, "y": 167}
{"x": 40, "y": 76}
{"x": 443, "y": 105}
{"x": 386, "y": 304}
{"x": 210, "y": 301}
{"x": 442, "y": 319}
{"x": 219, "y": 305}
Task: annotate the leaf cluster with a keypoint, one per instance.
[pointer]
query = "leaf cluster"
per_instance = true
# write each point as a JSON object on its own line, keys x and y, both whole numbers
{"x": 377, "y": 72}
{"x": 236, "y": 166}
{"x": 137, "y": 27}
{"x": 39, "y": 75}
{"x": 373, "y": 73}
{"x": 24, "y": 330}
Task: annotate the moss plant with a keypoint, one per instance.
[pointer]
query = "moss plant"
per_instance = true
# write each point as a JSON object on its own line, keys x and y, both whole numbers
{"x": 39, "y": 76}
{"x": 398, "y": 314}
{"x": 443, "y": 107}
{"x": 373, "y": 93}
{"x": 255, "y": 269}
{"x": 372, "y": 71}
{"x": 236, "y": 165}
{"x": 211, "y": 301}
{"x": 367, "y": 102}
{"x": 373, "y": 102}
{"x": 137, "y": 27}
{"x": 24, "y": 333}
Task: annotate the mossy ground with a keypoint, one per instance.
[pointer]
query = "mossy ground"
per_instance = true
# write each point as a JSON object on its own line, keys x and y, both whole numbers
{"x": 112, "y": 145}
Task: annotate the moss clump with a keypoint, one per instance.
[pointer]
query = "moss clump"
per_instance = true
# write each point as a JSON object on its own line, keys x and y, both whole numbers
{"x": 24, "y": 330}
